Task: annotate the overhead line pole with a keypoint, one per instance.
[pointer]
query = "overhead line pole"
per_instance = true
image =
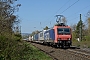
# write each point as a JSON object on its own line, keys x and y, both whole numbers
{"x": 80, "y": 28}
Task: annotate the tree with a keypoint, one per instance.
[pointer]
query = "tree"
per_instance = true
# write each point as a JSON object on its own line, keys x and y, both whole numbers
{"x": 88, "y": 21}
{"x": 34, "y": 32}
{"x": 78, "y": 27}
{"x": 73, "y": 27}
{"x": 7, "y": 17}
{"x": 46, "y": 28}
{"x": 8, "y": 41}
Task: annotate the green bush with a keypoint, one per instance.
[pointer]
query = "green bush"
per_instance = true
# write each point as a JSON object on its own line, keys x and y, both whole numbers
{"x": 9, "y": 48}
{"x": 12, "y": 49}
{"x": 87, "y": 38}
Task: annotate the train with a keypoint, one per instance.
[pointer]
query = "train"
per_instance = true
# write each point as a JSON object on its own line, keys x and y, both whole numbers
{"x": 59, "y": 36}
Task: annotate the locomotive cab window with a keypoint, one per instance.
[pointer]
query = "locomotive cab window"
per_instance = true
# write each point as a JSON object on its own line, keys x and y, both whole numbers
{"x": 63, "y": 30}
{"x": 66, "y": 30}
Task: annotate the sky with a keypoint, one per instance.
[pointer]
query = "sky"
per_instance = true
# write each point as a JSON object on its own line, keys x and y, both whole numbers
{"x": 37, "y": 14}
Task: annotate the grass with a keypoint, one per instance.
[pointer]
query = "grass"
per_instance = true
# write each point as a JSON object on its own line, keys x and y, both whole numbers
{"x": 83, "y": 43}
{"x": 36, "y": 54}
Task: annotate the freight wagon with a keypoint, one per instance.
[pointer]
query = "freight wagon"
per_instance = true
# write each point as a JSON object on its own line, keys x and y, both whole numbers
{"x": 49, "y": 36}
{"x": 41, "y": 36}
{"x": 35, "y": 37}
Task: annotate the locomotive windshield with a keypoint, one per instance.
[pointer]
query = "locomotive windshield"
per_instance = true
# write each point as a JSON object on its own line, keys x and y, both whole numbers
{"x": 63, "y": 30}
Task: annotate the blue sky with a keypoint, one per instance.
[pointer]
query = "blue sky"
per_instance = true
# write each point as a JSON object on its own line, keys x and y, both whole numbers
{"x": 36, "y": 14}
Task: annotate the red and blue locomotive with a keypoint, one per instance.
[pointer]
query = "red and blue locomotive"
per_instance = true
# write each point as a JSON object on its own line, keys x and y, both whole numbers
{"x": 60, "y": 35}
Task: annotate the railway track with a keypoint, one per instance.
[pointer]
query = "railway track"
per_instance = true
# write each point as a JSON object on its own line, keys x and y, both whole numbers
{"x": 79, "y": 53}
{"x": 63, "y": 54}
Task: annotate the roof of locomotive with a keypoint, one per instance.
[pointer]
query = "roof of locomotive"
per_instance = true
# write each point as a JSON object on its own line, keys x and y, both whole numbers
{"x": 61, "y": 25}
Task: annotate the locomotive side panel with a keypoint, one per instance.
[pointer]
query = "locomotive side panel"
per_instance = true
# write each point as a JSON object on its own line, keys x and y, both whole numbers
{"x": 55, "y": 30}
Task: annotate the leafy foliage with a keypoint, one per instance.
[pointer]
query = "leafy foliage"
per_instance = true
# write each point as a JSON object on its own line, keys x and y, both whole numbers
{"x": 34, "y": 32}
{"x": 10, "y": 44}
{"x": 85, "y": 33}
{"x": 88, "y": 22}
{"x": 46, "y": 28}
{"x": 7, "y": 17}
{"x": 76, "y": 29}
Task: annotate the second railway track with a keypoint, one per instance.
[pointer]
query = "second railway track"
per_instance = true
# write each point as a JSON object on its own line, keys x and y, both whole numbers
{"x": 79, "y": 52}
{"x": 63, "y": 54}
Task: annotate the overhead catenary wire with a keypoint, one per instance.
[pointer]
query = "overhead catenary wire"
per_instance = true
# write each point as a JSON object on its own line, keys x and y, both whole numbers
{"x": 61, "y": 7}
{"x": 79, "y": 11}
{"x": 58, "y": 10}
{"x": 71, "y": 6}
{"x": 68, "y": 7}
{"x": 85, "y": 22}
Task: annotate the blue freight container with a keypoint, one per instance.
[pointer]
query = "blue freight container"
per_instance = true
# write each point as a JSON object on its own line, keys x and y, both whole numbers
{"x": 49, "y": 35}
{"x": 36, "y": 36}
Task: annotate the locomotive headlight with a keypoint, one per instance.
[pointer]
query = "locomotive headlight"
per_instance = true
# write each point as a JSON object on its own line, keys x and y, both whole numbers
{"x": 59, "y": 39}
{"x": 69, "y": 38}
{"x": 69, "y": 41}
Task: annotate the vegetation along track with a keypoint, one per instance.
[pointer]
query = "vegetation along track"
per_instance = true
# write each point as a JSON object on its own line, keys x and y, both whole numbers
{"x": 63, "y": 54}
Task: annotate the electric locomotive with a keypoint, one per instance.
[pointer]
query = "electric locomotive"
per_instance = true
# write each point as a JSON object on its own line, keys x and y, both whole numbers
{"x": 59, "y": 35}
{"x": 63, "y": 36}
